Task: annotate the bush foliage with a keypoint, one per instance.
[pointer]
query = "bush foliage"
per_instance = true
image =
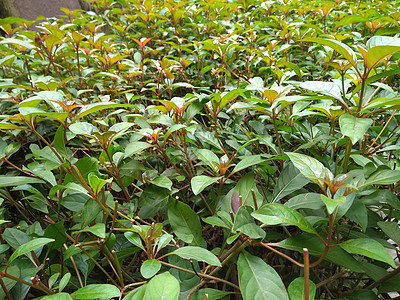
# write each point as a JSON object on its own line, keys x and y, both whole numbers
{"x": 201, "y": 150}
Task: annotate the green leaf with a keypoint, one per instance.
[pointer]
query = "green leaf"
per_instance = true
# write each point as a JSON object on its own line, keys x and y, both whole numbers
{"x": 289, "y": 181}
{"x": 257, "y": 280}
{"x": 59, "y": 141}
{"x": 152, "y": 200}
{"x": 134, "y": 239}
{"x": 137, "y": 294}
{"x": 83, "y": 128}
{"x": 28, "y": 247}
{"x": 136, "y": 147}
{"x": 94, "y": 291}
{"x": 17, "y": 42}
{"x": 197, "y": 253}
{"x": 17, "y": 180}
{"x": 315, "y": 246}
{"x": 163, "y": 286}
{"x": 53, "y": 279}
{"x": 163, "y": 182}
{"x": 296, "y": 289}
{"x": 64, "y": 281}
{"x": 212, "y": 294}
{"x": 392, "y": 230}
{"x": 354, "y": 127}
{"x": 98, "y": 229}
{"x": 248, "y": 161}
{"x": 330, "y": 89}
{"x": 368, "y": 247}
{"x": 377, "y": 53}
{"x": 56, "y": 231}
{"x": 164, "y": 240}
{"x": 339, "y": 47}
{"x": 58, "y": 296}
{"x": 93, "y": 107}
{"x": 229, "y": 96}
{"x": 379, "y": 47}
{"x": 208, "y": 157}
{"x": 215, "y": 221}
{"x": 331, "y": 204}
{"x": 367, "y": 294}
{"x": 384, "y": 176}
{"x": 308, "y": 166}
{"x": 308, "y": 200}
{"x": 185, "y": 223}
{"x": 350, "y": 19}
{"x": 97, "y": 183}
{"x": 245, "y": 224}
{"x": 4, "y": 125}
{"x": 276, "y": 213}
{"x": 150, "y": 268}
{"x": 200, "y": 182}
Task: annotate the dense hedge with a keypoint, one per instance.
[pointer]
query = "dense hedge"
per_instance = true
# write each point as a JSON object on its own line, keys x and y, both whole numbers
{"x": 201, "y": 149}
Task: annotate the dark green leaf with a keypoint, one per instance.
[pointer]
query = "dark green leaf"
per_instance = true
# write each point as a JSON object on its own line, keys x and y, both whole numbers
{"x": 392, "y": 230}
{"x": 289, "y": 181}
{"x": 56, "y": 231}
{"x": 185, "y": 223}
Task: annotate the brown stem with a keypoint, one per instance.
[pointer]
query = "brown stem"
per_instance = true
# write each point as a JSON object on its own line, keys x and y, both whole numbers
{"x": 360, "y": 100}
{"x": 40, "y": 288}
{"x": 206, "y": 276}
{"x": 332, "y": 278}
{"x": 328, "y": 243}
{"x": 8, "y": 295}
{"x": 282, "y": 254}
{"x": 383, "y": 279}
{"x": 306, "y": 274}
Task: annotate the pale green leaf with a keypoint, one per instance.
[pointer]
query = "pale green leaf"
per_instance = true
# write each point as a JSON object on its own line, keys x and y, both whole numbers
{"x": 276, "y": 213}
{"x": 296, "y": 289}
{"x": 162, "y": 287}
{"x": 94, "y": 291}
{"x": 257, "y": 280}
{"x": 248, "y": 161}
{"x": 339, "y": 47}
{"x": 331, "y": 204}
{"x": 150, "y": 268}
{"x": 136, "y": 147}
{"x": 200, "y": 182}
{"x": 308, "y": 166}
{"x": 197, "y": 253}
{"x": 98, "y": 229}
{"x": 368, "y": 247}
{"x": 354, "y": 127}
{"x": 17, "y": 180}
{"x": 28, "y": 247}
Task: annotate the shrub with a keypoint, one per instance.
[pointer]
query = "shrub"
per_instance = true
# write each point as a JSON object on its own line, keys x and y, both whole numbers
{"x": 201, "y": 150}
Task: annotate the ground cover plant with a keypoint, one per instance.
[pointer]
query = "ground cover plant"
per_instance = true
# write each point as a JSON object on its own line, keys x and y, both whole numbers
{"x": 201, "y": 150}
